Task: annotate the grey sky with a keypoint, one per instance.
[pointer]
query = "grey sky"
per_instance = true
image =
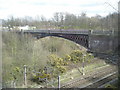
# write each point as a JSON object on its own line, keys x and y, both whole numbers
{"x": 21, "y": 8}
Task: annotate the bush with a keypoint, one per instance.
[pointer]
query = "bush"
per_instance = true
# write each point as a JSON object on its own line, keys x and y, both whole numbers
{"x": 76, "y": 56}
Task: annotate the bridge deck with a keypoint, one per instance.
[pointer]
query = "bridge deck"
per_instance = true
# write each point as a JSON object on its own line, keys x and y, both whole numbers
{"x": 86, "y": 32}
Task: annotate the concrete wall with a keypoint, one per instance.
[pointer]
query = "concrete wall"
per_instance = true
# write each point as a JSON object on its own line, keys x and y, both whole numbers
{"x": 101, "y": 43}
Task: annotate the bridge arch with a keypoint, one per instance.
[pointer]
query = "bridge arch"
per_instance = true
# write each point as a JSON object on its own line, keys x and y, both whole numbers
{"x": 86, "y": 38}
{"x": 79, "y": 39}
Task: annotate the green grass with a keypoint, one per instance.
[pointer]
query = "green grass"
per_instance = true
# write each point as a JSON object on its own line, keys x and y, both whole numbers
{"x": 94, "y": 66}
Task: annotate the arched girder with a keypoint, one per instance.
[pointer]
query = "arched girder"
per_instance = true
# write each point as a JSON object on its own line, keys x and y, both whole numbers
{"x": 79, "y": 39}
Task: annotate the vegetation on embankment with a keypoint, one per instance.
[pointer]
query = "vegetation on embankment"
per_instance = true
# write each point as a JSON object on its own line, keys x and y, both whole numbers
{"x": 45, "y": 58}
{"x": 25, "y": 50}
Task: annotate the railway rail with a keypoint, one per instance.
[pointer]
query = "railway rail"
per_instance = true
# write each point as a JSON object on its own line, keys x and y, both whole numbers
{"x": 102, "y": 81}
{"x": 91, "y": 77}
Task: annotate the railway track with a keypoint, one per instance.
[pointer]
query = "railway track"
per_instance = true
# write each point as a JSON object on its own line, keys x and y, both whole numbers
{"x": 102, "y": 81}
{"x": 109, "y": 82}
{"x": 90, "y": 77}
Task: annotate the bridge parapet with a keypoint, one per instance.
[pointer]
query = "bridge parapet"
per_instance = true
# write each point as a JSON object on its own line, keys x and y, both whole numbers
{"x": 86, "y": 32}
{"x": 101, "y": 32}
{"x": 58, "y": 31}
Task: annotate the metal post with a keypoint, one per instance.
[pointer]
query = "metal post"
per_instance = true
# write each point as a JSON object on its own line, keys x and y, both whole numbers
{"x": 14, "y": 84}
{"x": 84, "y": 56}
{"x": 59, "y": 81}
{"x": 83, "y": 68}
{"x": 45, "y": 69}
{"x": 25, "y": 72}
{"x": 113, "y": 38}
{"x": 89, "y": 39}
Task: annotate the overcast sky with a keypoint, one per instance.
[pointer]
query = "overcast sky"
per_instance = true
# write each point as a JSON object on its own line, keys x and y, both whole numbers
{"x": 21, "y": 8}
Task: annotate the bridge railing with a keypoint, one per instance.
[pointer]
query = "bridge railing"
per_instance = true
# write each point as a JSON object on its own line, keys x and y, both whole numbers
{"x": 92, "y": 32}
{"x": 58, "y": 31}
